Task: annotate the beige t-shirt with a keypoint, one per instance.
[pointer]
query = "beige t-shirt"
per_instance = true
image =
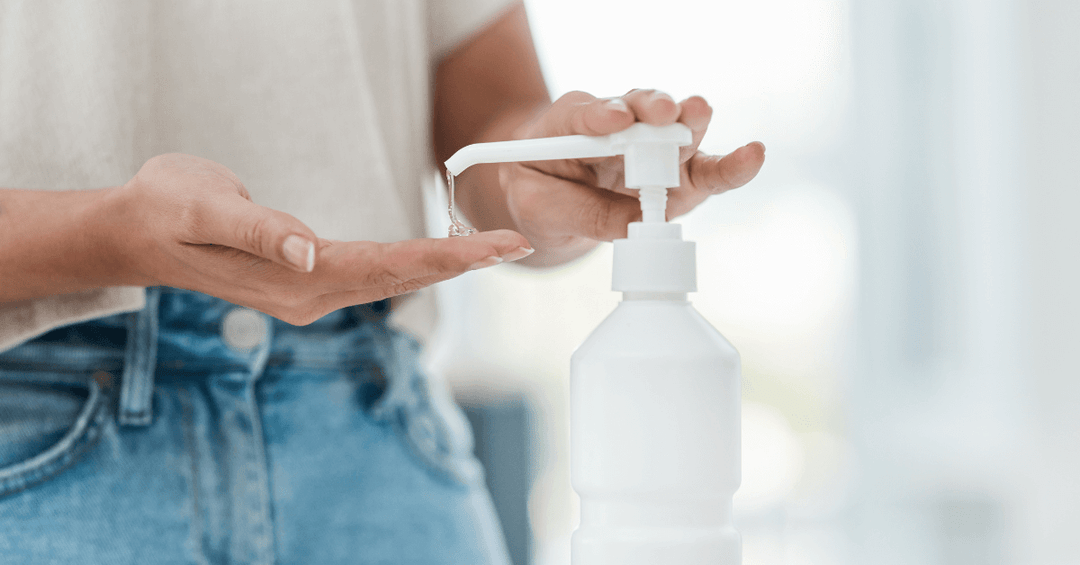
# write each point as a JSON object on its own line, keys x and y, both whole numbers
{"x": 322, "y": 108}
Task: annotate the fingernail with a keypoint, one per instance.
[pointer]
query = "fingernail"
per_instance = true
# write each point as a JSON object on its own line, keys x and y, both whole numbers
{"x": 299, "y": 252}
{"x": 516, "y": 254}
{"x": 489, "y": 262}
{"x": 618, "y": 104}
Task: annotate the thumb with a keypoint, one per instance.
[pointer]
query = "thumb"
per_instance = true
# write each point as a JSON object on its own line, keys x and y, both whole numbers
{"x": 237, "y": 222}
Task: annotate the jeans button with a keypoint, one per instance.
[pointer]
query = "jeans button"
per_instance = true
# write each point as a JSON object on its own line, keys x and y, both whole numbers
{"x": 243, "y": 329}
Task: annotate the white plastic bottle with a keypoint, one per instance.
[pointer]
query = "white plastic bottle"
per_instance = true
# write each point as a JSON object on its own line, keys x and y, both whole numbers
{"x": 654, "y": 435}
{"x": 655, "y": 389}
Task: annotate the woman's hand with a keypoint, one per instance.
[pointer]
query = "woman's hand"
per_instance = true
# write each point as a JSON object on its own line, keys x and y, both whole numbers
{"x": 188, "y": 222}
{"x": 565, "y": 207}
{"x": 488, "y": 87}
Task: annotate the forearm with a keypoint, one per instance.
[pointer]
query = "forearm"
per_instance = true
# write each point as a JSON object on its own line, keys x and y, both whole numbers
{"x": 59, "y": 242}
{"x": 485, "y": 91}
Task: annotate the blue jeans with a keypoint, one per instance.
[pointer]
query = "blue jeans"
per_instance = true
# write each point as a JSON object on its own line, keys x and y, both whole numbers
{"x": 197, "y": 432}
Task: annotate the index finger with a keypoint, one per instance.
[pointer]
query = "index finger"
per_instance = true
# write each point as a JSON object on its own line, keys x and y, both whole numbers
{"x": 580, "y": 113}
{"x": 652, "y": 107}
{"x": 372, "y": 271}
{"x": 696, "y": 115}
{"x": 366, "y": 266}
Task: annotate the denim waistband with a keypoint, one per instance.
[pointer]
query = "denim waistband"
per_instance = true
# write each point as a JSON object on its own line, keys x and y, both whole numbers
{"x": 184, "y": 335}
{"x": 189, "y": 330}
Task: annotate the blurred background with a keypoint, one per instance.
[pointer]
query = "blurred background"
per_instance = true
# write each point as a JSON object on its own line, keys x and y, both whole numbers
{"x": 901, "y": 279}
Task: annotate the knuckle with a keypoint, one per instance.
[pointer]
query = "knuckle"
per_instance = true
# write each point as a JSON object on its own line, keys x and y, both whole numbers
{"x": 444, "y": 263}
{"x": 597, "y": 214}
{"x": 251, "y": 234}
{"x": 407, "y": 286}
{"x": 725, "y": 180}
{"x": 718, "y": 176}
{"x": 665, "y": 104}
{"x": 661, "y": 95}
{"x": 195, "y": 217}
{"x": 576, "y": 97}
{"x": 384, "y": 278}
{"x": 240, "y": 188}
{"x": 698, "y": 100}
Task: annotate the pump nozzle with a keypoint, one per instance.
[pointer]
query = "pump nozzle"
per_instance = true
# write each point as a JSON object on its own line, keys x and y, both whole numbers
{"x": 650, "y": 153}
{"x": 654, "y": 258}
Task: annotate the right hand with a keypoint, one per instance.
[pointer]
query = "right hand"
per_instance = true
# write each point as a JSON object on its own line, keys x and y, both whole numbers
{"x": 187, "y": 222}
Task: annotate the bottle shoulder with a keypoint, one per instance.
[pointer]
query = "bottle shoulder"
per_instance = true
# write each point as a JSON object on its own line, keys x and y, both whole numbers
{"x": 648, "y": 327}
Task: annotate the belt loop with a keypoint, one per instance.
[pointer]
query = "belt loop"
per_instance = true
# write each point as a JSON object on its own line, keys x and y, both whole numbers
{"x": 140, "y": 360}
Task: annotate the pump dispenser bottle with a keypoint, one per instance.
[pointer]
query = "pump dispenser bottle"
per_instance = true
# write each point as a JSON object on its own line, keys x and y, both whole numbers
{"x": 654, "y": 390}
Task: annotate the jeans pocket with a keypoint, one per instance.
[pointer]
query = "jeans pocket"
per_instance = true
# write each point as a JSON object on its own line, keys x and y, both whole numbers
{"x": 429, "y": 421}
{"x": 47, "y": 422}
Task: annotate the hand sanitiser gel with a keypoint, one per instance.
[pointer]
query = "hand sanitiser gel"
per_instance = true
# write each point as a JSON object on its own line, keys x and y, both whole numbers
{"x": 654, "y": 390}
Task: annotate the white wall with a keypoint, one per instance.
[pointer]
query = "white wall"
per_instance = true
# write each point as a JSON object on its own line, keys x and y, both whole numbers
{"x": 959, "y": 387}
{"x": 936, "y": 400}
{"x": 1051, "y": 76}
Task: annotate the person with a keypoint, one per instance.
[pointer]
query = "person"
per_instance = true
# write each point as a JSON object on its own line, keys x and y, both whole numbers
{"x": 208, "y": 359}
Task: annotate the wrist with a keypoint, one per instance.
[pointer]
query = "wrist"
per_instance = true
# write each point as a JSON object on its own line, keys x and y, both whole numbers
{"x": 118, "y": 243}
{"x": 66, "y": 241}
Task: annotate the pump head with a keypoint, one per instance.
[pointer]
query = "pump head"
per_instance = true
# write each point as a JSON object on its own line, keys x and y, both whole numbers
{"x": 650, "y": 156}
{"x": 653, "y": 258}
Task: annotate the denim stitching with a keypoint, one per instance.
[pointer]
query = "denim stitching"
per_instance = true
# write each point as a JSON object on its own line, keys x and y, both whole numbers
{"x": 137, "y": 388}
{"x": 407, "y": 404}
{"x": 187, "y": 417}
{"x": 263, "y": 536}
{"x": 64, "y": 453}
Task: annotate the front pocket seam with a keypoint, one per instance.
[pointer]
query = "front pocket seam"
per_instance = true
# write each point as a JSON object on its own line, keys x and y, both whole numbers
{"x": 82, "y": 435}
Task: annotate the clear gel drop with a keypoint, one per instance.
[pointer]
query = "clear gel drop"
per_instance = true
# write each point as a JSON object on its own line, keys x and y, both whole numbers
{"x": 456, "y": 227}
